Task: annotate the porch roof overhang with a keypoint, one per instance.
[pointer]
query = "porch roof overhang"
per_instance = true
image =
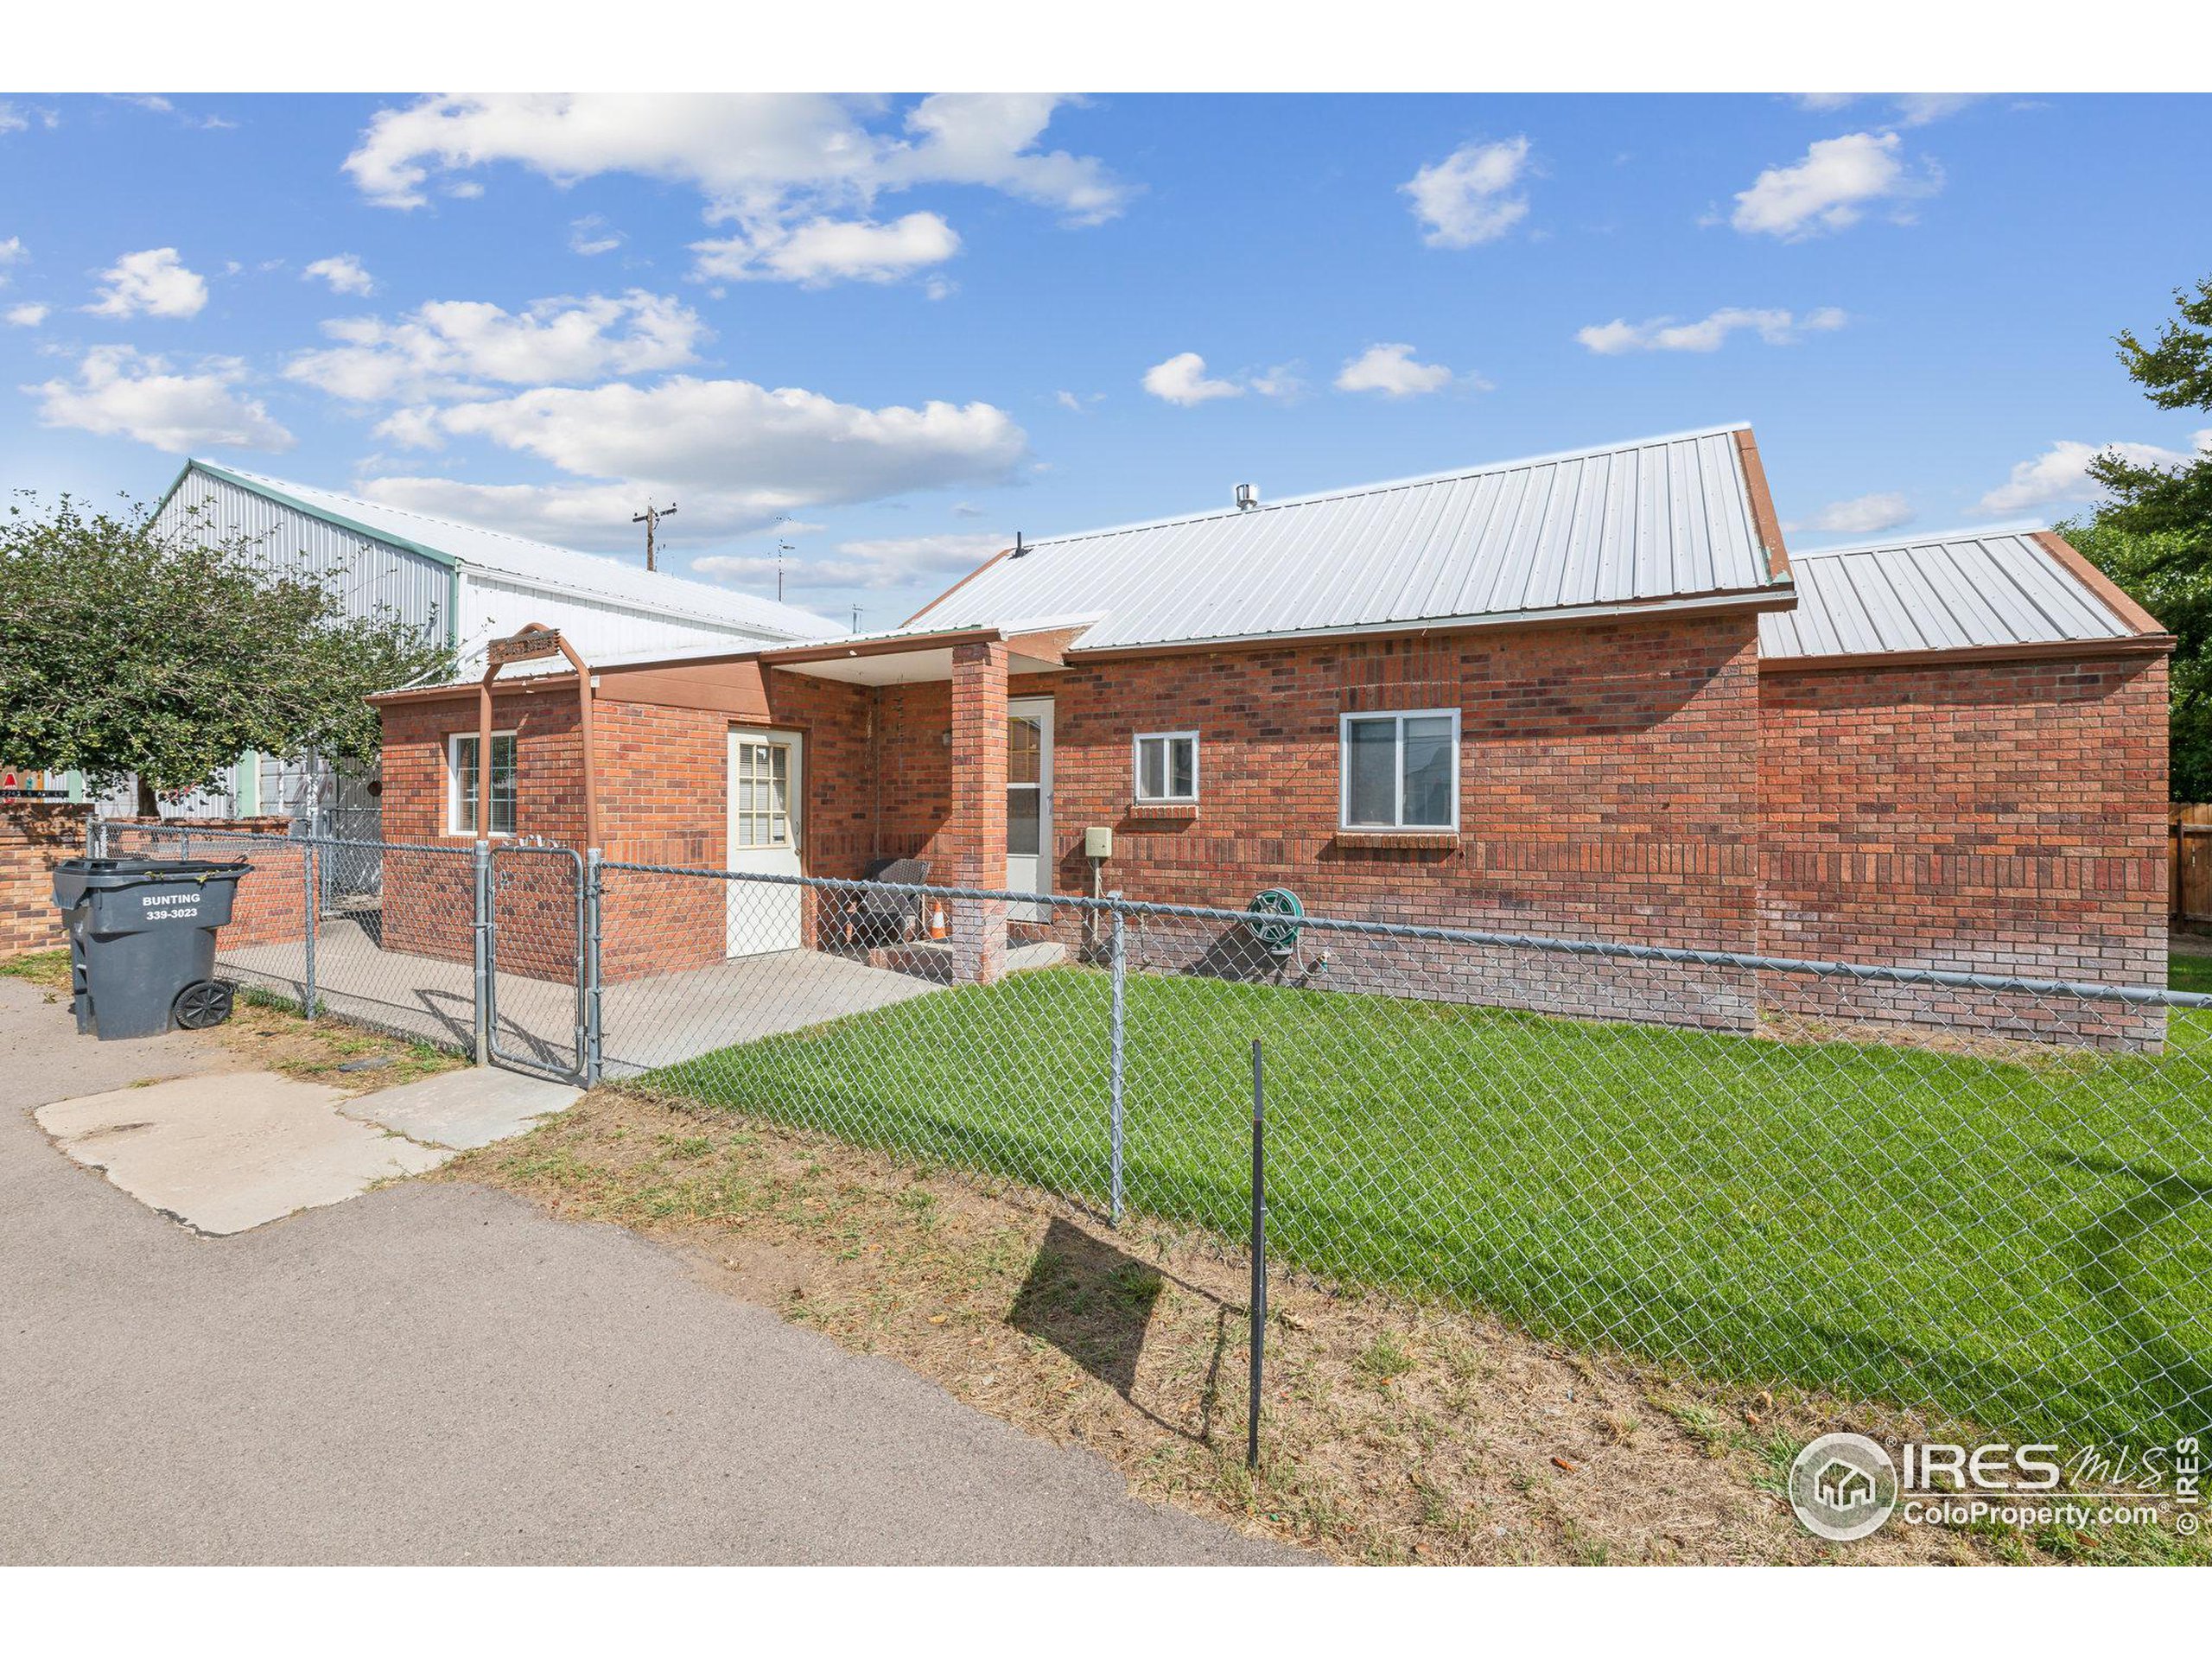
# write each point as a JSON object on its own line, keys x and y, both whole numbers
{"x": 902, "y": 656}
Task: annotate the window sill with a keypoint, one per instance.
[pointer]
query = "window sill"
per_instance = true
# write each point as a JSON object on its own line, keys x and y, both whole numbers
{"x": 1398, "y": 839}
{"x": 1162, "y": 809}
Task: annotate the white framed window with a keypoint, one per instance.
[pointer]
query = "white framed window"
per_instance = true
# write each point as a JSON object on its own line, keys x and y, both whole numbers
{"x": 760, "y": 805}
{"x": 461, "y": 783}
{"x": 1166, "y": 766}
{"x": 1400, "y": 770}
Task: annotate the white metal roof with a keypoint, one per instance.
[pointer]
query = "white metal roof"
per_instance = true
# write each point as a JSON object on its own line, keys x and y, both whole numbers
{"x": 540, "y": 564}
{"x": 1655, "y": 519}
{"x": 1956, "y": 591}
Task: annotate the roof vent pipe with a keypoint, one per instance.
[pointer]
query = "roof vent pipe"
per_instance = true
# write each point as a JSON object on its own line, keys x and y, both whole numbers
{"x": 1248, "y": 497}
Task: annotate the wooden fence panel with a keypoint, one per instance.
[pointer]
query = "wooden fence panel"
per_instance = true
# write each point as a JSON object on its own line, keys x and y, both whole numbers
{"x": 2189, "y": 862}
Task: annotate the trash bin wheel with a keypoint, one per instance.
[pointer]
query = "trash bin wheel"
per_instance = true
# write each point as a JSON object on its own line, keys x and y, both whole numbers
{"x": 203, "y": 1003}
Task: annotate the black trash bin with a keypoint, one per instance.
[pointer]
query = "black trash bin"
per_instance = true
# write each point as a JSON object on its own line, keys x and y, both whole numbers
{"x": 142, "y": 941}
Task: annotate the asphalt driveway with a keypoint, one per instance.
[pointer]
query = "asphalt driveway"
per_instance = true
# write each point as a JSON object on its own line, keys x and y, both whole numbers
{"x": 441, "y": 1374}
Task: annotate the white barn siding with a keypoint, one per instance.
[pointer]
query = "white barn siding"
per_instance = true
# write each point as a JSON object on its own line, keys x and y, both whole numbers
{"x": 374, "y": 573}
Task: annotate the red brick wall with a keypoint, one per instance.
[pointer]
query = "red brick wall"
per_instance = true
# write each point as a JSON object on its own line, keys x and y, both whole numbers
{"x": 269, "y": 904}
{"x": 977, "y": 840}
{"x": 429, "y": 899}
{"x": 662, "y": 778}
{"x": 1639, "y": 780}
{"x": 1608, "y": 778}
{"x": 2000, "y": 817}
{"x": 34, "y": 836}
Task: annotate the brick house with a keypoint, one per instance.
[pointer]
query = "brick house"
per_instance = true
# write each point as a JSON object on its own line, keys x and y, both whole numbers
{"x": 1585, "y": 695}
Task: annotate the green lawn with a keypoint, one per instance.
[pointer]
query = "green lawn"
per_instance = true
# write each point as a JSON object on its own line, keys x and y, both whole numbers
{"x": 2025, "y": 1240}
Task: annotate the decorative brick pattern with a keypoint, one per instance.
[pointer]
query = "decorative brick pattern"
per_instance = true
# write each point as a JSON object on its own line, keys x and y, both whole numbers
{"x": 34, "y": 835}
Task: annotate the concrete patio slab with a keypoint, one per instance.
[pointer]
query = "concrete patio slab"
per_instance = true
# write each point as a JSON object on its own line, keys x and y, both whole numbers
{"x": 462, "y": 1109}
{"x": 649, "y": 1022}
{"x": 228, "y": 1151}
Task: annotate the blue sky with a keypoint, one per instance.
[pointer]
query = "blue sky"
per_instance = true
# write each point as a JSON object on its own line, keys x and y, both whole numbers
{"x": 893, "y": 332}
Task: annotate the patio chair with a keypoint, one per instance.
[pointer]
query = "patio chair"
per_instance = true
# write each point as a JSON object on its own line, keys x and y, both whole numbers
{"x": 874, "y": 918}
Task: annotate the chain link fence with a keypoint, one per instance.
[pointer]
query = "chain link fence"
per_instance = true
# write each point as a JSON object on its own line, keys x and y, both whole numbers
{"x": 1989, "y": 1198}
{"x": 1986, "y": 1198}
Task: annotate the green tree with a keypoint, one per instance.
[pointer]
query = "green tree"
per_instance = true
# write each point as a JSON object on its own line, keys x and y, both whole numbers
{"x": 2154, "y": 536}
{"x": 123, "y": 651}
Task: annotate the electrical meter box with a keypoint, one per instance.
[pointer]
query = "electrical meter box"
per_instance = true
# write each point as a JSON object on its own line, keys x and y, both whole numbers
{"x": 1098, "y": 840}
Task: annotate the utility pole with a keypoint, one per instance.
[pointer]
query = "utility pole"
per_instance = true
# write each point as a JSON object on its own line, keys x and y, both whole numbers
{"x": 856, "y": 618}
{"x": 782, "y": 547}
{"x": 651, "y": 519}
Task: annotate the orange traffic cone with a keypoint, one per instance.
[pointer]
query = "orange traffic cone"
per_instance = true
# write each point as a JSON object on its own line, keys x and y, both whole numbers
{"x": 938, "y": 928}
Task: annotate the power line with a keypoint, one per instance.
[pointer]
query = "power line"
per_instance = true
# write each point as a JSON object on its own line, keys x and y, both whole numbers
{"x": 651, "y": 519}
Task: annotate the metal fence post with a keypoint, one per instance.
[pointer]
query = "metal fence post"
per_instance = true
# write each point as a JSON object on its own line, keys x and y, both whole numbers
{"x": 587, "y": 1053}
{"x": 1118, "y": 1028}
{"x": 1259, "y": 1261}
{"x": 309, "y": 867}
{"x": 484, "y": 967}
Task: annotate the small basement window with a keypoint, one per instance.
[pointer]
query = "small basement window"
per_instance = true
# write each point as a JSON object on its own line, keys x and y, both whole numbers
{"x": 1167, "y": 767}
{"x": 461, "y": 783}
{"x": 1401, "y": 770}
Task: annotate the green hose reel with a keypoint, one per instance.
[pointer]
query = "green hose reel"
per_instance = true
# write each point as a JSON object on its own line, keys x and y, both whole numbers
{"x": 1277, "y": 915}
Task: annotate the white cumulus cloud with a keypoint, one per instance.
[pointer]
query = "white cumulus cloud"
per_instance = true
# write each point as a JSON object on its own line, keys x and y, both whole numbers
{"x": 1862, "y": 515}
{"x": 1182, "y": 380}
{"x": 153, "y": 282}
{"x": 1468, "y": 197}
{"x": 797, "y": 174}
{"x": 1832, "y": 188}
{"x": 1390, "y": 369}
{"x": 738, "y": 454}
{"x": 344, "y": 272}
{"x": 824, "y": 251}
{"x": 2062, "y": 472}
{"x": 12, "y": 252}
{"x": 28, "y": 314}
{"x": 119, "y": 391}
{"x": 454, "y": 347}
{"x": 1708, "y": 334}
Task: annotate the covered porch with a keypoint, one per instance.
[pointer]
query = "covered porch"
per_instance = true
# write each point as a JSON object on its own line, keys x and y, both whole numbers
{"x": 980, "y": 817}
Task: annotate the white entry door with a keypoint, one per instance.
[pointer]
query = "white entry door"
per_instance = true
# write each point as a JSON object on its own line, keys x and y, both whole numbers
{"x": 765, "y": 789}
{"x": 1029, "y": 801}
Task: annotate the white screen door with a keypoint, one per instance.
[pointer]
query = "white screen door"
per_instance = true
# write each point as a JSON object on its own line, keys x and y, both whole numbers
{"x": 1029, "y": 801}
{"x": 764, "y": 792}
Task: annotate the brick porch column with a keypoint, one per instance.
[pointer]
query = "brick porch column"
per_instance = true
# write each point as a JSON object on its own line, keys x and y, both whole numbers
{"x": 978, "y": 826}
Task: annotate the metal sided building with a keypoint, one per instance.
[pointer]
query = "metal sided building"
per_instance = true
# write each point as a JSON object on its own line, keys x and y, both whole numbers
{"x": 457, "y": 582}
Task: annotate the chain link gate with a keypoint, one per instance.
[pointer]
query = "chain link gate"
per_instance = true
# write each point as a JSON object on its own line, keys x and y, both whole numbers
{"x": 532, "y": 928}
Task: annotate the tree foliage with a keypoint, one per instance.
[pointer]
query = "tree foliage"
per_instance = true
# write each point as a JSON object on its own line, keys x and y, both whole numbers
{"x": 2153, "y": 536}
{"x": 124, "y": 650}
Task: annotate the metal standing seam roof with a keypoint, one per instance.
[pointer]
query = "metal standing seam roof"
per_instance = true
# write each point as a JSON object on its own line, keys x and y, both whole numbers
{"x": 1655, "y": 519}
{"x": 516, "y": 557}
{"x": 1965, "y": 590}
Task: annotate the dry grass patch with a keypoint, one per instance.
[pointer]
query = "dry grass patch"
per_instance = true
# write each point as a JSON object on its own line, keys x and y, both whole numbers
{"x": 349, "y": 1058}
{"x": 1394, "y": 1431}
{"x": 270, "y": 1035}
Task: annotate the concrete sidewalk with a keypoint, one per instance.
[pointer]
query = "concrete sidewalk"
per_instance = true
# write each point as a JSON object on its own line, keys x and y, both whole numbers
{"x": 441, "y": 1374}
